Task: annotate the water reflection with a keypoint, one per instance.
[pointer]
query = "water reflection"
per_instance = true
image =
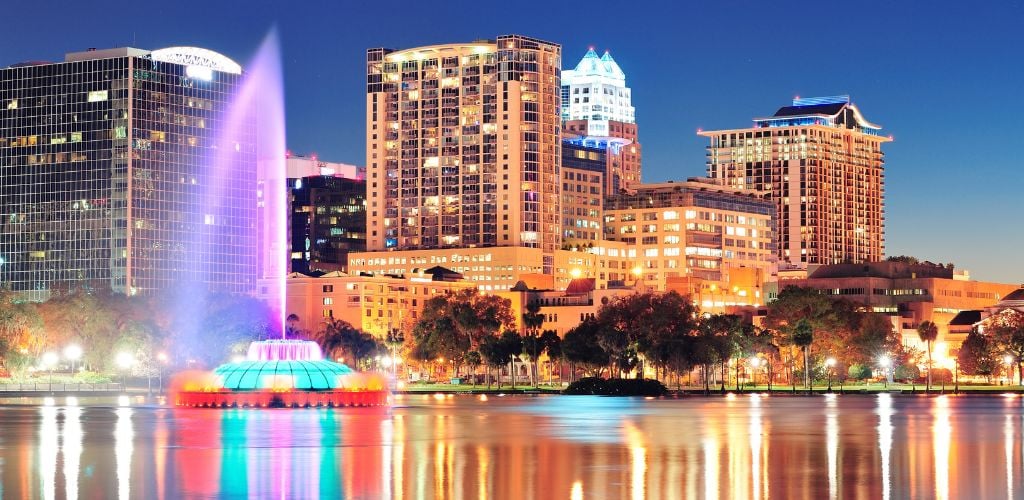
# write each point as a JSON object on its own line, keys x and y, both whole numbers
{"x": 560, "y": 447}
{"x": 885, "y": 413}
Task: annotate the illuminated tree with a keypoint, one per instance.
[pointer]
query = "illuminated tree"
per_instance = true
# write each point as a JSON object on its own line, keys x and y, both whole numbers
{"x": 928, "y": 332}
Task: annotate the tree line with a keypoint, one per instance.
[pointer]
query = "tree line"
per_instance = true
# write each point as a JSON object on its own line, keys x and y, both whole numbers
{"x": 189, "y": 327}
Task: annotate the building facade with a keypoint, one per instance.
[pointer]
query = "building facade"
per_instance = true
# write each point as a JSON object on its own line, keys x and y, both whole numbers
{"x": 909, "y": 294}
{"x": 821, "y": 162}
{"x": 597, "y": 111}
{"x": 376, "y": 304}
{"x": 711, "y": 242}
{"x": 120, "y": 168}
{"x": 583, "y": 191}
{"x": 463, "y": 145}
{"x": 328, "y": 220}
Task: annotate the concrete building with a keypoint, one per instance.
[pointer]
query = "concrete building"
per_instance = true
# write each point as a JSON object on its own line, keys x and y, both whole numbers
{"x": 375, "y": 304}
{"x": 495, "y": 269}
{"x": 821, "y": 162}
{"x": 699, "y": 238}
{"x": 909, "y": 294}
{"x": 327, "y": 221}
{"x": 120, "y": 168}
{"x": 597, "y": 112}
{"x": 563, "y": 309}
{"x": 463, "y": 145}
{"x": 583, "y": 192}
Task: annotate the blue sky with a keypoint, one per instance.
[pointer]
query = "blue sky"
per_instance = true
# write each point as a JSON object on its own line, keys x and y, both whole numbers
{"x": 944, "y": 78}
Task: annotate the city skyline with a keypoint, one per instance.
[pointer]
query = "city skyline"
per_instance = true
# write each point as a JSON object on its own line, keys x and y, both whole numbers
{"x": 939, "y": 105}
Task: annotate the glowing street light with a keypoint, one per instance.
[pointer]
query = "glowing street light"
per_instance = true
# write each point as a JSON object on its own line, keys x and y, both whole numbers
{"x": 124, "y": 361}
{"x": 50, "y": 360}
{"x": 886, "y": 364}
{"x": 1008, "y": 361}
{"x": 73, "y": 353}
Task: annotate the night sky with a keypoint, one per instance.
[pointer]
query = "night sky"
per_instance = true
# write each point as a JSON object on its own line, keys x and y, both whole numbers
{"x": 945, "y": 79}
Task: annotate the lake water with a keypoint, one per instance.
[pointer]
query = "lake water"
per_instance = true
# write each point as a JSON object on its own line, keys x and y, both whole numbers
{"x": 748, "y": 446}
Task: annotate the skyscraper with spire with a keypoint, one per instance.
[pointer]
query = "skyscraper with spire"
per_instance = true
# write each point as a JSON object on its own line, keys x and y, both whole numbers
{"x": 597, "y": 112}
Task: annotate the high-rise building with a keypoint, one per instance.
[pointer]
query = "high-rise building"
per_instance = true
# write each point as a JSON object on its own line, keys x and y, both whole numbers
{"x": 120, "y": 168}
{"x": 821, "y": 162}
{"x": 463, "y": 145}
{"x": 328, "y": 220}
{"x": 597, "y": 111}
{"x": 711, "y": 242}
{"x": 583, "y": 171}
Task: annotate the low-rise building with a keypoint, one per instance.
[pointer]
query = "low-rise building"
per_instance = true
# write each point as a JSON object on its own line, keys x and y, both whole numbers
{"x": 563, "y": 309}
{"x": 699, "y": 238}
{"x": 375, "y": 304}
{"x": 910, "y": 294}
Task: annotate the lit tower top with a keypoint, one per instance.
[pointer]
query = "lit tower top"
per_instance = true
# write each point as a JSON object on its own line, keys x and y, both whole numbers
{"x": 834, "y": 111}
{"x": 596, "y": 91}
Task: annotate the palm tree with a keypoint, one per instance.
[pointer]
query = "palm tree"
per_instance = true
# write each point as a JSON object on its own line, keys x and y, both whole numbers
{"x": 928, "y": 332}
{"x": 532, "y": 321}
{"x": 803, "y": 337}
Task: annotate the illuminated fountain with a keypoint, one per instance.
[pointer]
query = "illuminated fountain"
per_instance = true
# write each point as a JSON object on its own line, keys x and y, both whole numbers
{"x": 280, "y": 374}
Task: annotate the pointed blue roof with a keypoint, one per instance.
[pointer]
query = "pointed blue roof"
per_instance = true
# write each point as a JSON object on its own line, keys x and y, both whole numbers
{"x": 592, "y": 65}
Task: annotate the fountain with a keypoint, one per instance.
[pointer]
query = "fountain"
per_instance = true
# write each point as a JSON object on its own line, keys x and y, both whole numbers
{"x": 280, "y": 374}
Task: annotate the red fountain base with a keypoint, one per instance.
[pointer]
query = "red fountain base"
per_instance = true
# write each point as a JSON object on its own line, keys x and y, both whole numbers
{"x": 287, "y": 399}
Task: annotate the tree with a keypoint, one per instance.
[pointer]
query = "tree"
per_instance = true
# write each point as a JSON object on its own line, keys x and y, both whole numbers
{"x": 341, "y": 338}
{"x": 977, "y": 355}
{"x": 1007, "y": 330}
{"x": 826, "y": 318}
{"x": 532, "y": 321}
{"x": 928, "y": 332}
{"x": 473, "y": 360}
{"x": 803, "y": 337}
{"x": 552, "y": 345}
{"x": 859, "y": 371}
{"x": 580, "y": 345}
{"x": 907, "y": 373}
{"x": 874, "y": 337}
{"x": 20, "y": 323}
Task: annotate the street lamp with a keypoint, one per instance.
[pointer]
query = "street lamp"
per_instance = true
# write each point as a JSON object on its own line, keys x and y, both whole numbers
{"x": 124, "y": 360}
{"x": 1008, "y": 361}
{"x": 754, "y": 362}
{"x": 830, "y": 363}
{"x": 50, "y": 360}
{"x": 886, "y": 363}
{"x": 73, "y": 352}
{"x": 162, "y": 358}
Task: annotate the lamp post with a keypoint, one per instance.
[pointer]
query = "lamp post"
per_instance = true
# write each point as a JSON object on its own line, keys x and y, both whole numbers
{"x": 754, "y": 362}
{"x": 162, "y": 358}
{"x": 1008, "y": 361}
{"x": 124, "y": 360}
{"x": 73, "y": 353}
{"x": 886, "y": 363}
{"x": 830, "y": 363}
{"x": 50, "y": 360}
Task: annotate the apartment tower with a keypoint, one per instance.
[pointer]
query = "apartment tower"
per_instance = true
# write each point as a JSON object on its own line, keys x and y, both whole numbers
{"x": 821, "y": 162}
{"x": 463, "y": 145}
{"x": 597, "y": 112}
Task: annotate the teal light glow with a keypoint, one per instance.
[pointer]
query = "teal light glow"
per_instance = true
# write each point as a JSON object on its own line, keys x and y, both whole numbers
{"x": 307, "y": 375}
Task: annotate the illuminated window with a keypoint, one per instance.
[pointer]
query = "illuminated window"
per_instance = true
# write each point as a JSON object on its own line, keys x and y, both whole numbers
{"x": 98, "y": 95}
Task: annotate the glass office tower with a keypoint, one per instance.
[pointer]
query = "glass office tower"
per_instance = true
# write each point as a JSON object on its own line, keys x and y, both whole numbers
{"x": 124, "y": 168}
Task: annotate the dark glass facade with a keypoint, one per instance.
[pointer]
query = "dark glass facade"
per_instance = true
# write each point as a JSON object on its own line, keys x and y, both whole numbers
{"x": 124, "y": 172}
{"x": 328, "y": 220}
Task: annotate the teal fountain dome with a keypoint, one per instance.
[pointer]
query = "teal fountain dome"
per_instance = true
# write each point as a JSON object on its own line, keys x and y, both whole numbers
{"x": 284, "y": 373}
{"x": 283, "y": 364}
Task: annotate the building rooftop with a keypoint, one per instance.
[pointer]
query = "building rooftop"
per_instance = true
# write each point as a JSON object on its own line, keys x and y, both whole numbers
{"x": 594, "y": 65}
{"x": 884, "y": 269}
{"x": 965, "y": 318}
{"x": 836, "y": 111}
